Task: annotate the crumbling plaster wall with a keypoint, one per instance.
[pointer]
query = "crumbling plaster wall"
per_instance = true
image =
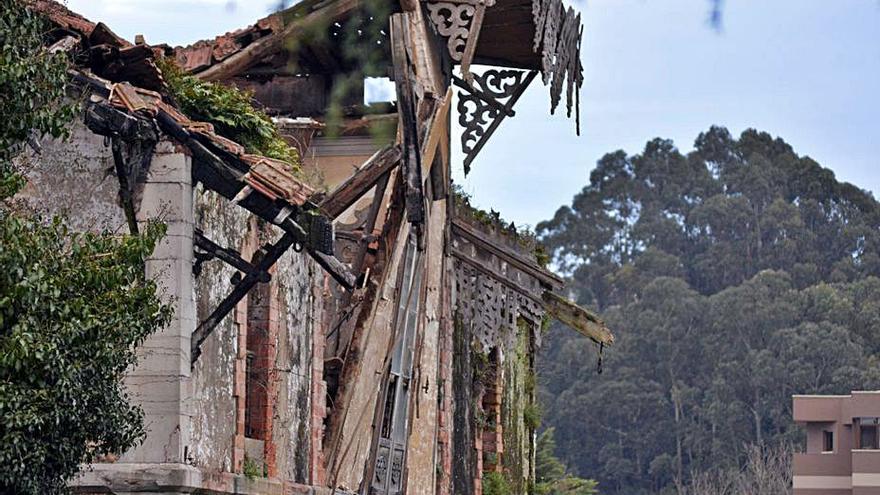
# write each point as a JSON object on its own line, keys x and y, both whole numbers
{"x": 214, "y": 372}
{"x": 295, "y": 286}
{"x": 74, "y": 177}
{"x": 518, "y": 402}
{"x": 299, "y": 283}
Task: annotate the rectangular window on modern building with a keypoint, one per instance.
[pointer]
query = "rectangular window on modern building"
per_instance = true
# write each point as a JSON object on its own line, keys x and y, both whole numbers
{"x": 868, "y": 433}
{"x": 827, "y": 441}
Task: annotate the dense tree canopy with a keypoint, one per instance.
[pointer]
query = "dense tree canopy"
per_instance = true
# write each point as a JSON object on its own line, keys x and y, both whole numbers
{"x": 735, "y": 276}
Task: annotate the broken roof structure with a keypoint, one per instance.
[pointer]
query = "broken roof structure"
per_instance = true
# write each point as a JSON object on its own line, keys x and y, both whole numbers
{"x": 359, "y": 333}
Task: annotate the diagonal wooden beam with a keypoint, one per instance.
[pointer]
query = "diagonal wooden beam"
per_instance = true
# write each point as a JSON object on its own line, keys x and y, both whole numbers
{"x": 576, "y": 317}
{"x": 363, "y": 180}
{"x": 483, "y": 241}
{"x": 255, "y": 52}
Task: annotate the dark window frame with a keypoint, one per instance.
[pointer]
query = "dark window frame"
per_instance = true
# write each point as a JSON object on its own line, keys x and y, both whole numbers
{"x": 827, "y": 441}
{"x": 869, "y": 436}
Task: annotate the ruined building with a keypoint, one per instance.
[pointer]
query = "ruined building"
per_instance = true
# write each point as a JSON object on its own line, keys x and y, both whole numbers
{"x": 345, "y": 324}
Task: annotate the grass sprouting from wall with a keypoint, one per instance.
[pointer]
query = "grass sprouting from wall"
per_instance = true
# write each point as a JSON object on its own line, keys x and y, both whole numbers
{"x": 495, "y": 483}
{"x": 231, "y": 111}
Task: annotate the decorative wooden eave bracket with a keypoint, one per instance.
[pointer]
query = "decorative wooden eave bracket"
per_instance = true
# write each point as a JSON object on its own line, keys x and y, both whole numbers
{"x": 459, "y": 21}
{"x": 484, "y": 103}
{"x": 555, "y": 47}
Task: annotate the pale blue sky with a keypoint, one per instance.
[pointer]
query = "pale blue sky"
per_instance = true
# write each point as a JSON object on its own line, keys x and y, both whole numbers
{"x": 805, "y": 70}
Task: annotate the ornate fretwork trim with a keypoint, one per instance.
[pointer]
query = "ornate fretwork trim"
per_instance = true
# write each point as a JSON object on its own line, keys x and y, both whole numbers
{"x": 459, "y": 22}
{"x": 558, "y": 36}
{"x": 453, "y": 22}
{"x": 481, "y": 109}
{"x": 492, "y": 309}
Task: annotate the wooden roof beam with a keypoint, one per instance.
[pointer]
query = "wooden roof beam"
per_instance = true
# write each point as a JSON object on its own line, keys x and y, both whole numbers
{"x": 259, "y": 49}
{"x": 361, "y": 181}
{"x": 519, "y": 261}
{"x": 578, "y": 318}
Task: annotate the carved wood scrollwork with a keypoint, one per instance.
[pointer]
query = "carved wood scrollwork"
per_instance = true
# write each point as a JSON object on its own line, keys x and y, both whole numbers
{"x": 484, "y": 103}
{"x": 459, "y": 22}
{"x": 492, "y": 308}
{"x": 453, "y": 22}
{"x": 558, "y": 36}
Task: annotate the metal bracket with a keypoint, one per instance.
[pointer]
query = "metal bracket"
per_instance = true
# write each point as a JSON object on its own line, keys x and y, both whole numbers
{"x": 209, "y": 250}
{"x": 256, "y": 273}
{"x": 480, "y": 109}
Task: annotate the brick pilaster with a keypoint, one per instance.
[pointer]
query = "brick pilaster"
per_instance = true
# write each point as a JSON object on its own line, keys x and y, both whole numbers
{"x": 262, "y": 337}
{"x": 317, "y": 467}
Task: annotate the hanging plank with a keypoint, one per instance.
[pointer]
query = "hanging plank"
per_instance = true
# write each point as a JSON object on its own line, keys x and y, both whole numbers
{"x": 404, "y": 81}
{"x": 578, "y": 318}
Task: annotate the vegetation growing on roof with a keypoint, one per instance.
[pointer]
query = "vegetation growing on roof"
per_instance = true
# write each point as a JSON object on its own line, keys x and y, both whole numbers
{"x": 524, "y": 236}
{"x": 231, "y": 111}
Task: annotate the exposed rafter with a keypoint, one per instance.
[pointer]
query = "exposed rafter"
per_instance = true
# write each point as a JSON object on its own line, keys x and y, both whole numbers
{"x": 367, "y": 176}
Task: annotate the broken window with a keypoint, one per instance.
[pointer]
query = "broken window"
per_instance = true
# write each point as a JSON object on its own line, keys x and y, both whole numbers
{"x": 489, "y": 416}
{"x": 378, "y": 90}
{"x": 259, "y": 362}
{"x": 390, "y": 453}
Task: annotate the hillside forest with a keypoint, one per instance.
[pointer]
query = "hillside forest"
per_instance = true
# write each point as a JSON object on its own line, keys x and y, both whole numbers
{"x": 734, "y": 276}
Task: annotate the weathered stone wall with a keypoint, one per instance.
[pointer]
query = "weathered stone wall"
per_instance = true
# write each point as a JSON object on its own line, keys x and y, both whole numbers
{"x": 75, "y": 177}
{"x": 299, "y": 281}
{"x": 464, "y": 398}
{"x": 518, "y": 411}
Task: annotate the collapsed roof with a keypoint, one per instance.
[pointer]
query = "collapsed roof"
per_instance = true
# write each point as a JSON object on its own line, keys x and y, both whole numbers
{"x": 130, "y": 103}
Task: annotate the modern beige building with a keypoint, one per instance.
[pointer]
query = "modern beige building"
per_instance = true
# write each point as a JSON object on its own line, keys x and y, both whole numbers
{"x": 843, "y": 446}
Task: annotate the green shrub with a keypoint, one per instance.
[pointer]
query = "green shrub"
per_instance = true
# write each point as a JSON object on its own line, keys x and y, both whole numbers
{"x": 32, "y": 87}
{"x": 532, "y": 416}
{"x": 494, "y": 483}
{"x": 231, "y": 111}
{"x": 252, "y": 469}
